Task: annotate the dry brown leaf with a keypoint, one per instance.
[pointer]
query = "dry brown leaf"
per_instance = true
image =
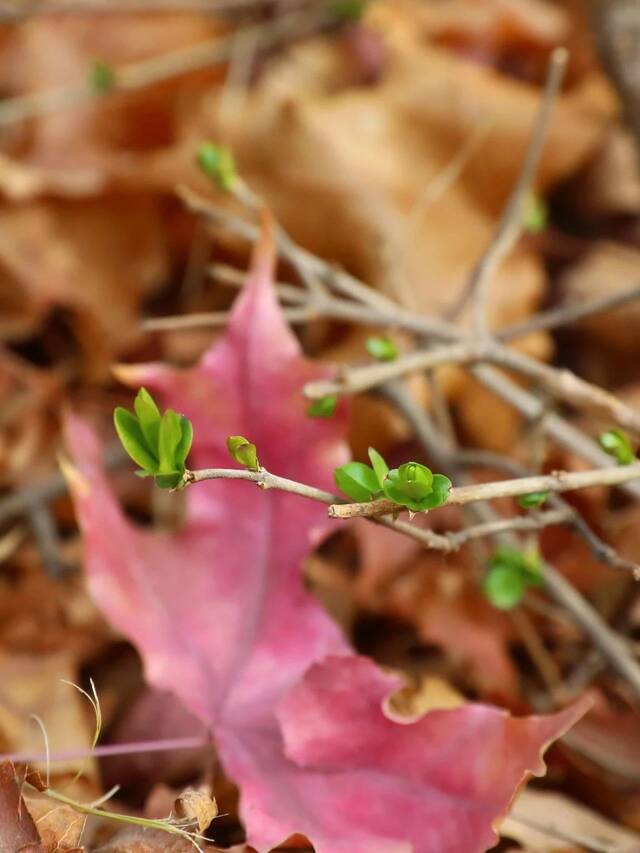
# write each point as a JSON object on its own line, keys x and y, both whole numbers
{"x": 17, "y": 830}
{"x": 137, "y": 840}
{"x": 609, "y": 185}
{"x": 60, "y": 827}
{"x": 441, "y": 599}
{"x": 33, "y": 685}
{"x": 81, "y": 151}
{"x": 348, "y": 154}
{"x": 604, "y": 269}
{"x": 97, "y": 258}
{"x": 428, "y": 693}
{"x": 546, "y": 822}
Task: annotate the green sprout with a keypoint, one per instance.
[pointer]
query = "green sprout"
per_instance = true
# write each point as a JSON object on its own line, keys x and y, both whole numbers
{"x": 102, "y": 77}
{"x": 382, "y": 349}
{"x": 159, "y": 444}
{"x": 243, "y": 452}
{"x": 217, "y": 163}
{"x": 510, "y": 573}
{"x": 533, "y": 500}
{"x": 348, "y": 11}
{"x": 324, "y": 407}
{"x": 536, "y": 214}
{"x": 617, "y": 444}
{"x": 411, "y": 485}
{"x": 416, "y": 487}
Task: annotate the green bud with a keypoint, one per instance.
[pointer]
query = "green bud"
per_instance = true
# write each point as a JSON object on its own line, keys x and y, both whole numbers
{"x": 504, "y": 587}
{"x": 358, "y": 481}
{"x": 102, "y": 77}
{"x": 324, "y": 407}
{"x": 416, "y": 487}
{"x": 510, "y": 573}
{"x": 382, "y": 349}
{"x": 348, "y": 11}
{"x": 617, "y": 444}
{"x": 533, "y": 500}
{"x": 243, "y": 452}
{"x": 536, "y": 214}
{"x": 217, "y": 163}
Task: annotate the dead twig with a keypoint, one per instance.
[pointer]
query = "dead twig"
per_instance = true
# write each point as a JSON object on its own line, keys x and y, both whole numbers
{"x": 510, "y": 225}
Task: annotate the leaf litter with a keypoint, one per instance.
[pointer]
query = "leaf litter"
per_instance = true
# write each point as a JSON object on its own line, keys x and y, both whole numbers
{"x": 403, "y": 134}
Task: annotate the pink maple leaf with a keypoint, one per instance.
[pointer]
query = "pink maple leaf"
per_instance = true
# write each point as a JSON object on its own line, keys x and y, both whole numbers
{"x": 220, "y": 616}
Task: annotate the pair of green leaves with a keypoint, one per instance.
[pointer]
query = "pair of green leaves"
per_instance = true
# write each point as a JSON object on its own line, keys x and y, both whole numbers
{"x": 509, "y": 574}
{"x": 411, "y": 485}
{"x": 159, "y": 444}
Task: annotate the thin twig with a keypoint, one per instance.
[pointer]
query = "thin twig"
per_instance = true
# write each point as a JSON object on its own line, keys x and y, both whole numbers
{"x": 520, "y": 524}
{"x": 510, "y": 225}
{"x": 563, "y": 384}
{"x": 217, "y": 319}
{"x": 564, "y": 315}
{"x": 606, "y": 640}
{"x": 137, "y": 75}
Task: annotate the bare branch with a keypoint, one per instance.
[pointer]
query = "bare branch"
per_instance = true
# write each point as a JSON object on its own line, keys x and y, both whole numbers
{"x": 510, "y": 226}
{"x": 137, "y": 75}
{"x": 563, "y": 384}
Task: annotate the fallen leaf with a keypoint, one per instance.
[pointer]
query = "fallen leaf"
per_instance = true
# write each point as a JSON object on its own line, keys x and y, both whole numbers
{"x": 17, "y": 830}
{"x": 438, "y": 596}
{"x": 154, "y": 714}
{"x": 34, "y": 685}
{"x": 604, "y": 269}
{"x": 220, "y": 616}
{"x": 546, "y": 822}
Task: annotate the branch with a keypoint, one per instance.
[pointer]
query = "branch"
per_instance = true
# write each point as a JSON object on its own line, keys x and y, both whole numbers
{"x": 523, "y": 401}
{"x": 510, "y": 225}
{"x": 520, "y": 524}
{"x": 605, "y": 639}
{"x": 558, "y": 481}
{"x": 562, "y": 383}
{"x": 137, "y": 75}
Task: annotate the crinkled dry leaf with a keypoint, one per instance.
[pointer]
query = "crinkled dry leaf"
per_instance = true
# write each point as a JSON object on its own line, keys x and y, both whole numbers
{"x": 196, "y": 807}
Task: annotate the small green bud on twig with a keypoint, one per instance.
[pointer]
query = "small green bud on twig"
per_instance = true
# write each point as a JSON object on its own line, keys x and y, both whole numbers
{"x": 102, "y": 77}
{"x": 243, "y": 452}
{"x": 217, "y": 163}
{"x": 323, "y": 407}
{"x": 617, "y": 443}
{"x": 382, "y": 349}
